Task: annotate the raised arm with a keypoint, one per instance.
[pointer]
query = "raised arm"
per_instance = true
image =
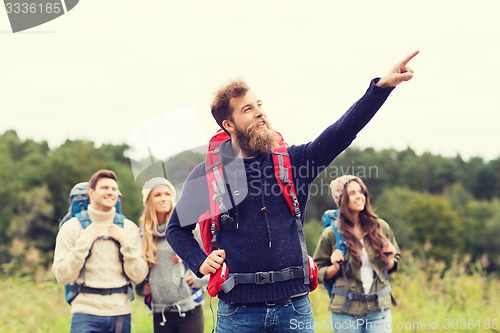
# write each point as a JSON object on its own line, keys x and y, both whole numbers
{"x": 399, "y": 73}
{"x": 338, "y": 136}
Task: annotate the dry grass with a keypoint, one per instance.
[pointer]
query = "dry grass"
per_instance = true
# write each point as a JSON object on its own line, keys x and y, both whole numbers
{"x": 431, "y": 299}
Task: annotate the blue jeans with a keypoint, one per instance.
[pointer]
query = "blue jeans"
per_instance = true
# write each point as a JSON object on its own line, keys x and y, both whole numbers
{"x": 293, "y": 315}
{"x": 86, "y": 323}
{"x": 371, "y": 322}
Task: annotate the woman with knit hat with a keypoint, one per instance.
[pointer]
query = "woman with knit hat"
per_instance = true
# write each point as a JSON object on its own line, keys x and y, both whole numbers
{"x": 361, "y": 300}
{"x": 172, "y": 291}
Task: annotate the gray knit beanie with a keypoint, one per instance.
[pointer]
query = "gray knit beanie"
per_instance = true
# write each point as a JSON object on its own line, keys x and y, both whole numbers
{"x": 154, "y": 182}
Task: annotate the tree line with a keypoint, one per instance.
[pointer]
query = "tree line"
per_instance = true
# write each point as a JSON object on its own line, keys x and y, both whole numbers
{"x": 439, "y": 207}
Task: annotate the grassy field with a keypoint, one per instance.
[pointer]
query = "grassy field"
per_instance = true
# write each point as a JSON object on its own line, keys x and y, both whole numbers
{"x": 430, "y": 300}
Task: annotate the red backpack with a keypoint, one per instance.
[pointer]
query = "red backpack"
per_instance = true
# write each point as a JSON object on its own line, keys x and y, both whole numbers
{"x": 209, "y": 221}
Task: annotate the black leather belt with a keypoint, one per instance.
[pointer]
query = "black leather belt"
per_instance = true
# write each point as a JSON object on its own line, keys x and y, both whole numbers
{"x": 271, "y": 303}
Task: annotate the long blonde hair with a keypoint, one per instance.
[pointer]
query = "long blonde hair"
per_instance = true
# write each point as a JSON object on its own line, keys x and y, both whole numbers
{"x": 149, "y": 223}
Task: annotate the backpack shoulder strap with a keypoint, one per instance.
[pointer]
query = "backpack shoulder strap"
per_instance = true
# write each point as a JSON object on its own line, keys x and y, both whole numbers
{"x": 85, "y": 221}
{"x": 216, "y": 188}
{"x": 73, "y": 288}
{"x": 328, "y": 217}
{"x": 340, "y": 242}
{"x": 119, "y": 220}
{"x": 84, "y": 218}
{"x": 283, "y": 172}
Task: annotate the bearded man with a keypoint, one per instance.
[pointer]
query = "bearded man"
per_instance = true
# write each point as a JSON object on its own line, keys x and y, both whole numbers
{"x": 262, "y": 237}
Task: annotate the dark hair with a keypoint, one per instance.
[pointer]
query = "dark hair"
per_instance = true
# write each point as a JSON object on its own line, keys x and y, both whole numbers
{"x": 368, "y": 221}
{"x": 99, "y": 175}
{"x": 220, "y": 104}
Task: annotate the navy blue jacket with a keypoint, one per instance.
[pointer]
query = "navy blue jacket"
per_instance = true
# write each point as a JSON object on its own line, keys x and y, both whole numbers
{"x": 262, "y": 240}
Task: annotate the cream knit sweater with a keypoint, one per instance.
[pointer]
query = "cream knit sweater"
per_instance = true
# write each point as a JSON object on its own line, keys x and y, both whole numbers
{"x": 103, "y": 269}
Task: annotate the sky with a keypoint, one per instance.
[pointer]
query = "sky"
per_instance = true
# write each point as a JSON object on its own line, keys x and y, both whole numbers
{"x": 144, "y": 72}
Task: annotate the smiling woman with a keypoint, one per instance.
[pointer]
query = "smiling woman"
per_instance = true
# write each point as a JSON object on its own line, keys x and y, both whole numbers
{"x": 358, "y": 251}
{"x": 172, "y": 292}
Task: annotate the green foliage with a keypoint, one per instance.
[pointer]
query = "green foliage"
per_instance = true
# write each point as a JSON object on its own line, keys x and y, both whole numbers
{"x": 32, "y": 223}
{"x": 482, "y": 222}
{"x": 428, "y": 293}
{"x": 132, "y": 197}
{"x": 312, "y": 231}
{"x": 8, "y": 193}
{"x": 437, "y": 226}
{"x": 178, "y": 167}
{"x": 487, "y": 185}
{"x": 36, "y": 181}
{"x": 73, "y": 162}
{"x": 392, "y": 206}
{"x": 458, "y": 197}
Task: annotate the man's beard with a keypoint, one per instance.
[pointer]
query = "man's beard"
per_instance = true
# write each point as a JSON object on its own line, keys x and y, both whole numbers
{"x": 256, "y": 141}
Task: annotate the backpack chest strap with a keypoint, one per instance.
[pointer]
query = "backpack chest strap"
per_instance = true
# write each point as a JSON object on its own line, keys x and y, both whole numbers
{"x": 262, "y": 277}
{"x": 353, "y": 296}
{"x": 85, "y": 221}
{"x": 99, "y": 291}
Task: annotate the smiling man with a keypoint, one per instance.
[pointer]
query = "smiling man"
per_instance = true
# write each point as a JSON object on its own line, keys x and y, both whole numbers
{"x": 261, "y": 241}
{"x": 102, "y": 275}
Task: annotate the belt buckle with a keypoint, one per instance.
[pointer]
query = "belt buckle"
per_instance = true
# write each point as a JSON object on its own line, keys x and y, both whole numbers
{"x": 264, "y": 277}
